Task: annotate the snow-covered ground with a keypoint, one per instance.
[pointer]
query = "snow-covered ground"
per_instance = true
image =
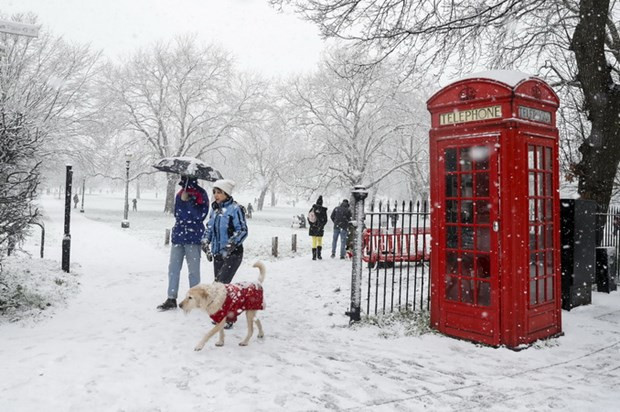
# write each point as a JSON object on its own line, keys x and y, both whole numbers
{"x": 102, "y": 346}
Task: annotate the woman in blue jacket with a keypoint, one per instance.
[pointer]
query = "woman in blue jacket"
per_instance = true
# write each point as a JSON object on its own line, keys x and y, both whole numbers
{"x": 226, "y": 231}
{"x": 191, "y": 207}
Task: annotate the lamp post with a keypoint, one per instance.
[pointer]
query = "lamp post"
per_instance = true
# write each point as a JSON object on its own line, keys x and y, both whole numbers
{"x": 125, "y": 222}
{"x": 83, "y": 189}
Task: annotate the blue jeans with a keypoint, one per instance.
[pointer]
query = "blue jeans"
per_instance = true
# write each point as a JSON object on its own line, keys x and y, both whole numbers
{"x": 191, "y": 253}
{"x": 342, "y": 233}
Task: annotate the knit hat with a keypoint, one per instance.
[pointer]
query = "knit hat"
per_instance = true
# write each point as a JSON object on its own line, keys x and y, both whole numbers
{"x": 225, "y": 185}
{"x": 319, "y": 201}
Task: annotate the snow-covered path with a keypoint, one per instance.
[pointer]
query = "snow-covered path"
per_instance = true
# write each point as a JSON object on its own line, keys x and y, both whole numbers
{"x": 110, "y": 350}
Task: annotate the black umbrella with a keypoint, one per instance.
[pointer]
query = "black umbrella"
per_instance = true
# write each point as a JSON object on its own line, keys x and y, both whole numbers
{"x": 188, "y": 166}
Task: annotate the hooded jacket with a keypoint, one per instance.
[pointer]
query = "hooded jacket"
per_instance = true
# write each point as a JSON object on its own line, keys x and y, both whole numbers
{"x": 226, "y": 226}
{"x": 341, "y": 215}
{"x": 190, "y": 214}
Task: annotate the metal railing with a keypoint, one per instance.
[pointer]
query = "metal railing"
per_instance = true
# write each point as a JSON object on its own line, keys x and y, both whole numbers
{"x": 396, "y": 251}
{"x": 608, "y": 233}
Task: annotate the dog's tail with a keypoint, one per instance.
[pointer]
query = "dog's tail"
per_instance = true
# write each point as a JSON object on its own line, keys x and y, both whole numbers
{"x": 261, "y": 267}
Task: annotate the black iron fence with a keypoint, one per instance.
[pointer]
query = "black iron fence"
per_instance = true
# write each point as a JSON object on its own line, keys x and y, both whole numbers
{"x": 395, "y": 252}
{"x": 608, "y": 233}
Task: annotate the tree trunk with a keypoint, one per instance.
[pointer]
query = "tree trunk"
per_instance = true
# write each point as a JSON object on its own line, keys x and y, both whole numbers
{"x": 601, "y": 150}
{"x": 138, "y": 188}
{"x": 261, "y": 198}
{"x": 273, "y": 198}
{"x": 170, "y": 193}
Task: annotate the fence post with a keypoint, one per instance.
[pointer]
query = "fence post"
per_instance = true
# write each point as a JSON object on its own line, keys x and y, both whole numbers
{"x": 294, "y": 242}
{"x": 274, "y": 246}
{"x": 167, "y": 237}
{"x": 359, "y": 194}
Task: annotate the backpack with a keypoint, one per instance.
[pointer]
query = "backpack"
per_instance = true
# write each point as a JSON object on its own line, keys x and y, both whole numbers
{"x": 311, "y": 216}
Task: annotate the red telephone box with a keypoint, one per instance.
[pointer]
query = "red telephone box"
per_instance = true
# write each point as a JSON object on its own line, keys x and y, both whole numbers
{"x": 495, "y": 261}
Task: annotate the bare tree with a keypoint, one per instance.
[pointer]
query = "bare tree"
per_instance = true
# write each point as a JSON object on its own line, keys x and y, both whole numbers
{"x": 42, "y": 85}
{"x": 351, "y": 114}
{"x": 179, "y": 99}
{"x": 429, "y": 34}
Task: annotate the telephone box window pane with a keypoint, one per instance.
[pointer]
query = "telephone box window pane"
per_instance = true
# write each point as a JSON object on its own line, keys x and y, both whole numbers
{"x": 452, "y": 263}
{"x": 467, "y": 238}
{"x": 452, "y": 238}
{"x": 482, "y": 185}
{"x": 451, "y": 211}
{"x": 483, "y": 266}
{"x": 483, "y": 239}
{"x": 484, "y": 294}
{"x": 541, "y": 290}
{"x": 450, "y": 160}
{"x": 467, "y": 264}
{"x": 532, "y": 184}
{"x": 467, "y": 189}
{"x": 452, "y": 292}
{"x": 541, "y": 210}
{"x": 548, "y": 210}
{"x": 549, "y": 289}
{"x": 548, "y": 165}
{"x": 533, "y": 238}
{"x": 467, "y": 291}
{"x": 465, "y": 160}
{"x": 539, "y": 235}
{"x": 467, "y": 211}
{"x": 532, "y": 210}
{"x": 540, "y": 184}
{"x": 548, "y": 185}
{"x": 539, "y": 157}
{"x": 549, "y": 236}
{"x": 541, "y": 264}
{"x": 480, "y": 156}
{"x": 532, "y": 292}
{"x": 532, "y": 265}
{"x": 549, "y": 264}
{"x": 451, "y": 186}
{"x": 530, "y": 157}
{"x": 482, "y": 211}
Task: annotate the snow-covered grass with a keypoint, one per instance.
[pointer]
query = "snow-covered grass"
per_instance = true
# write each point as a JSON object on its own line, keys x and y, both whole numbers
{"x": 102, "y": 346}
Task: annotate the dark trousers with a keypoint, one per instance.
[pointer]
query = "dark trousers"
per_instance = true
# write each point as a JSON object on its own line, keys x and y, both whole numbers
{"x": 226, "y": 268}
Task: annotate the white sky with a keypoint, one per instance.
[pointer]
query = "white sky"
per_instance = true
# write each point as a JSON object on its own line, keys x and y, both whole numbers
{"x": 261, "y": 39}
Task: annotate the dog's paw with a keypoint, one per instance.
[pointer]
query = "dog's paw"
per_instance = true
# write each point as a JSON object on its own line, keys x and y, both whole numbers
{"x": 219, "y": 344}
{"x": 199, "y": 348}
{"x": 243, "y": 344}
{"x": 261, "y": 335}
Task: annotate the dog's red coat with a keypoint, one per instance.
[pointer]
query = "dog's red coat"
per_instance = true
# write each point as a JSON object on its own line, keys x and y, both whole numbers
{"x": 239, "y": 297}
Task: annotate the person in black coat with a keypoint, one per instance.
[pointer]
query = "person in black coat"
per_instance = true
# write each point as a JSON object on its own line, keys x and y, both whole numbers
{"x": 317, "y": 219}
{"x": 341, "y": 216}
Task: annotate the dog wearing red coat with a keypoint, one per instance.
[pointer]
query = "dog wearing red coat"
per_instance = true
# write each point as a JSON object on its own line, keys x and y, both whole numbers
{"x": 224, "y": 302}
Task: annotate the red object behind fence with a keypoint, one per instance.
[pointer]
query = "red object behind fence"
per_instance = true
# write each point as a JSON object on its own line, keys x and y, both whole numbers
{"x": 393, "y": 245}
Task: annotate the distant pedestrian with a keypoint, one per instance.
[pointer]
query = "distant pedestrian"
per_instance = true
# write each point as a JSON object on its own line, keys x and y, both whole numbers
{"x": 76, "y": 200}
{"x": 317, "y": 219}
{"x": 134, "y": 202}
{"x": 250, "y": 209}
{"x": 616, "y": 224}
{"x": 341, "y": 216}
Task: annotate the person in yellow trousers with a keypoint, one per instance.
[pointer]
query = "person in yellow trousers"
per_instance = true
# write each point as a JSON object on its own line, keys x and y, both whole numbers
{"x": 317, "y": 219}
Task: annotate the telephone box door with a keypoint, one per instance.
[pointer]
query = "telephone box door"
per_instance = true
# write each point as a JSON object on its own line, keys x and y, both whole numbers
{"x": 469, "y": 261}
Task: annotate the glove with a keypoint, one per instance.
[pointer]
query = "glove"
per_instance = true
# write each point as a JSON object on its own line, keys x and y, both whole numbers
{"x": 227, "y": 250}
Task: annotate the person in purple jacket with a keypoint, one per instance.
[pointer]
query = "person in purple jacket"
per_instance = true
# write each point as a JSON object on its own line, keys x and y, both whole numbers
{"x": 191, "y": 207}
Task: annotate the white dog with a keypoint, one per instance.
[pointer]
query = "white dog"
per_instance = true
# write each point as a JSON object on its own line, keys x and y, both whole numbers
{"x": 224, "y": 303}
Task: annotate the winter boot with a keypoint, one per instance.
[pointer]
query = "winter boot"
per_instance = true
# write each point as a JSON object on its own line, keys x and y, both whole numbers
{"x": 168, "y": 304}
{"x": 318, "y": 252}
{"x": 313, "y": 253}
